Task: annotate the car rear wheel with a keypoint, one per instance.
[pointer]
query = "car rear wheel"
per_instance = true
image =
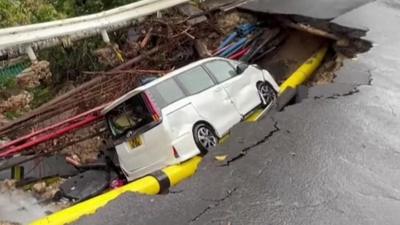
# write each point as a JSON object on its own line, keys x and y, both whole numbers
{"x": 267, "y": 94}
{"x": 204, "y": 137}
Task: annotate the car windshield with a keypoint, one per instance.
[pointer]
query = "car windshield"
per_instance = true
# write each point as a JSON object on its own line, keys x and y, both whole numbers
{"x": 129, "y": 116}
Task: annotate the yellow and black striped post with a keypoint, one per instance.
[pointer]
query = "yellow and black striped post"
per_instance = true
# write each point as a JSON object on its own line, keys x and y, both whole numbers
{"x": 17, "y": 172}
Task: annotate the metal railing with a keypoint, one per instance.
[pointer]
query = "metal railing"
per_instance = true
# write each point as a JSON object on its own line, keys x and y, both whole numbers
{"x": 20, "y": 40}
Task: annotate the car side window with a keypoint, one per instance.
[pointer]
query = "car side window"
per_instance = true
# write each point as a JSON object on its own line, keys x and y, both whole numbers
{"x": 195, "y": 80}
{"x": 221, "y": 70}
{"x": 166, "y": 92}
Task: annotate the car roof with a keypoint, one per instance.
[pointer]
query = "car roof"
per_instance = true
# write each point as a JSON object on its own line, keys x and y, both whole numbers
{"x": 139, "y": 89}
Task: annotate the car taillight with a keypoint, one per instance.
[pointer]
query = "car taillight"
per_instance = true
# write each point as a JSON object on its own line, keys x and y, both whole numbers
{"x": 175, "y": 152}
{"x": 155, "y": 111}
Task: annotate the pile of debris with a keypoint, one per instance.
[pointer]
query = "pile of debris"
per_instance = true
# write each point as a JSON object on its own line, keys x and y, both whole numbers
{"x": 18, "y": 100}
{"x": 34, "y": 75}
{"x": 44, "y": 190}
{"x": 109, "y": 55}
{"x": 16, "y": 103}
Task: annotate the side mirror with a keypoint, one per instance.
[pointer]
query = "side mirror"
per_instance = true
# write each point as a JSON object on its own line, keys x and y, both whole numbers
{"x": 241, "y": 68}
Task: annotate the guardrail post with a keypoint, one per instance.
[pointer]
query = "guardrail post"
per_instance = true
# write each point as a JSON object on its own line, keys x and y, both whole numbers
{"x": 31, "y": 54}
{"x": 105, "y": 36}
{"x": 159, "y": 14}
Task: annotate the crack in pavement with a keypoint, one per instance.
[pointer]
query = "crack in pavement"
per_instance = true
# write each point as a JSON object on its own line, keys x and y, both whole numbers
{"x": 335, "y": 96}
{"x": 318, "y": 204}
{"x": 216, "y": 204}
{"x": 244, "y": 151}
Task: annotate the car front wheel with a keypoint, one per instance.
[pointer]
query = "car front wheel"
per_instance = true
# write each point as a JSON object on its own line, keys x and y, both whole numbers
{"x": 267, "y": 94}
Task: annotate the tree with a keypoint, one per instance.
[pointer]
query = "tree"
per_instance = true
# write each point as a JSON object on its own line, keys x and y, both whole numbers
{"x": 21, "y": 12}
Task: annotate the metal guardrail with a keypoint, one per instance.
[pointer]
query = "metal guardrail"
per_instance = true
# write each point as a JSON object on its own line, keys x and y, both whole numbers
{"x": 18, "y": 40}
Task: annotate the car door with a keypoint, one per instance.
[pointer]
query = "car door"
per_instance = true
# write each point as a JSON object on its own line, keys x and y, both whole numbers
{"x": 211, "y": 101}
{"x": 240, "y": 87}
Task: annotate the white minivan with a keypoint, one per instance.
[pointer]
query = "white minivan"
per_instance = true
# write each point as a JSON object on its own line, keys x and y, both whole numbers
{"x": 184, "y": 113}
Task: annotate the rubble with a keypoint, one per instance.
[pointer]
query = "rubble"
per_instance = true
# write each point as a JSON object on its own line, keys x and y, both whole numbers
{"x": 34, "y": 75}
{"x": 39, "y": 187}
{"x": 110, "y": 55}
{"x": 50, "y": 190}
{"x": 192, "y": 11}
{"x": 229, "y": 22}
{"x": 84, "y": 152}
{"x": 7, "y": 185}
{"x": 326, "y": 73}
{"x": 18, "y": 102}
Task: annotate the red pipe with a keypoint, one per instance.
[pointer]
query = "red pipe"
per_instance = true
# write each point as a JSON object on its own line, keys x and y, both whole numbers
{"x": 218, "y": 51}
{"x": 27, "y": 137}
{"x": 239, "y": 54}
{"x": 38, "y": 140}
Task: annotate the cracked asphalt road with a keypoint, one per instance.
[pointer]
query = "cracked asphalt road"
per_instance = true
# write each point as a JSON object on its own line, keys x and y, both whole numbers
{"x": 331, "y": 159}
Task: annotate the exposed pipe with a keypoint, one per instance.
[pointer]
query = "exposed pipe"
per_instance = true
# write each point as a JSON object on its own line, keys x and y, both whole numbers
{"x": 57, "y": 133}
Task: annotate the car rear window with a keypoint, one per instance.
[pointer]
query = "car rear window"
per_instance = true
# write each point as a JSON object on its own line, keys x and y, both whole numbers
{"x": 129, "y": 116}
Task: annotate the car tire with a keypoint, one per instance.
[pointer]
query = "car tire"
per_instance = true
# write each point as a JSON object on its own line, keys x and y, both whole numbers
{"x": 204, "y": 137}
{"x": 267, "y": 93}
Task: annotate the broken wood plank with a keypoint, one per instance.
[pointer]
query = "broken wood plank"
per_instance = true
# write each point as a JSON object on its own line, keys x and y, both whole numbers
{"x": 146, "y": 39}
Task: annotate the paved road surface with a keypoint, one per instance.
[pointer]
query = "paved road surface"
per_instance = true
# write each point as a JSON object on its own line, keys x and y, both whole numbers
{"x": 332, "y": 159}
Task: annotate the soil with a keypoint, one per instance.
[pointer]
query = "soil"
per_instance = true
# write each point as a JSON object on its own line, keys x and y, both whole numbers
{"x": 326, "y": 72}
{"x": 298, "y": 47}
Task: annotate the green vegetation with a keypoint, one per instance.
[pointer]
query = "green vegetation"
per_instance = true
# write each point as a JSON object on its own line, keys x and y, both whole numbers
{"x": 8, "y": 83}
{"x": 66, "y": 63}
{"x": 8, "y": 87}
{"x": 20, "y": 12}
{"x": 41, "y": 95}
{"x": 12, "y": 115}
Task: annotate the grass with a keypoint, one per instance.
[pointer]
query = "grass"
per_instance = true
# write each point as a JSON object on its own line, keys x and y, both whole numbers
{"x": 11, "y": 115}
{"x": 41, "y": 95}
{"x": 8, "y": 83}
